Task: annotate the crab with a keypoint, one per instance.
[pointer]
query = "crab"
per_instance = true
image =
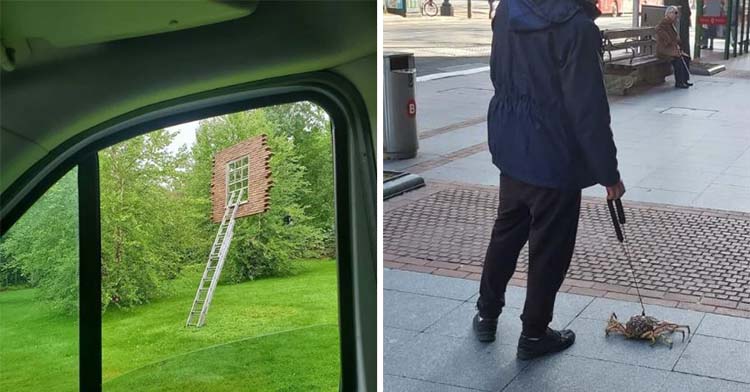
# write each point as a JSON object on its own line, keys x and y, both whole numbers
{"x": 644, "y": 327}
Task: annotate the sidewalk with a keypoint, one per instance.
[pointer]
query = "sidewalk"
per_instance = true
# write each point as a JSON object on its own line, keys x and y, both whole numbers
{"x": 429, "y": 346}
{"x": 679, "y": 147}
{"x": 447, "y": 44}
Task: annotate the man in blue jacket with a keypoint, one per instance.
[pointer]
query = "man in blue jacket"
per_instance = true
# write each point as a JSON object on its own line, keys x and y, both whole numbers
{"x": 549, "y": 134}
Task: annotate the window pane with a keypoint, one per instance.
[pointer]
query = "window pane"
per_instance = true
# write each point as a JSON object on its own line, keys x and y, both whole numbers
{"x": 273, "y": 321}
{"x": 39, "y": 294}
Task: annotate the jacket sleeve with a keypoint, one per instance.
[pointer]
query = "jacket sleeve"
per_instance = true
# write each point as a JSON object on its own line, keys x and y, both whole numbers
{"x": 586, "y": 105}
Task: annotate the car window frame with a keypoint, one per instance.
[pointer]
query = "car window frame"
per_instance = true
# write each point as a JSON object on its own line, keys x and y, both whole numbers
{"x": 354, "y": 174}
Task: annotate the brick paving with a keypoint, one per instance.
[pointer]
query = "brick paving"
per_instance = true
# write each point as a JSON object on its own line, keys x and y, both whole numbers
{"x": 684, "y": 257}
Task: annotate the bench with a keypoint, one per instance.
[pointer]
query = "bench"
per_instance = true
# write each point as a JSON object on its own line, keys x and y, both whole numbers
{"x": 630, "y": 60}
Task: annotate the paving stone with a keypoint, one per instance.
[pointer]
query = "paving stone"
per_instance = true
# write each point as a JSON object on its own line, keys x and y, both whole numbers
{"x": 564, "y": 373}
{"x": 680, "y": 382}
{"x": 725, "y": 327}
{"x": 623, "y": 297}
{"x": 554, "y": 374}
{"x": 413, "y": 311}
{"x": 457, "y": 361}
{"x": 696, "y": 307}
{"x": 437, "y": 286}
{"x": 394, "y": 340}
{"x": 592, "y": 343}
{"x": 733, "y": 312}
{"x": 719, "y": 302}
{"x": 450, "y": 273}
{"x": 585, "y": 291}
{"x": 458, "y": 324}
{"x": 685, "y": 253}
{"x": 571, "y": 304}
{"x": 661, "y": 302}
{"x": 401, "y": 384}
{"x": 392, "y": 264}
{"x": 716, "y": 357}
{"x": 418, "y": 268}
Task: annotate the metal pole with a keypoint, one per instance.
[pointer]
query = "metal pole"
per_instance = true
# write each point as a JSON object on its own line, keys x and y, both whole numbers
{"x": 728, "y": 31}
{"x": 636, "y": 12}
{"x": 735, "y": 27}
{"x": 746, "y": 23}
{"x": 469, "y": 11}
{"x": 698, "y": 28}
{"x": 741, "y": 37}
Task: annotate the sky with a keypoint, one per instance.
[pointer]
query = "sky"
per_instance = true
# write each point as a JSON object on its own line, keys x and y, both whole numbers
{"x": 185, "y": 135}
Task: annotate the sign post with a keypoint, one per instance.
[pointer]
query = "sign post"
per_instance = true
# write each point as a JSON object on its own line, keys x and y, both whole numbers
{"x": 728, "y": 31}
{"x": 698, "y": 28}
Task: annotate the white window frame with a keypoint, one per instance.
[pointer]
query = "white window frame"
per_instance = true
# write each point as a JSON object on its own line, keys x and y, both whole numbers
{"x": 242, "y": 177}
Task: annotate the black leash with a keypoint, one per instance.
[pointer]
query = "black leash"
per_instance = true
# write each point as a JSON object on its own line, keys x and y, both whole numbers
{"x": 618, "y": 218}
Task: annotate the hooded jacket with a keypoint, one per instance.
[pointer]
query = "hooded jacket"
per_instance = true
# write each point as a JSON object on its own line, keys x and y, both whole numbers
{"x": 548, "y": 121}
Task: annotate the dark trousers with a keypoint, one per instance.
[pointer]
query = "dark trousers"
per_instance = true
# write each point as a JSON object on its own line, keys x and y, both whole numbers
{"x": 681, "y": 69}
{"x": 548, "y": 220}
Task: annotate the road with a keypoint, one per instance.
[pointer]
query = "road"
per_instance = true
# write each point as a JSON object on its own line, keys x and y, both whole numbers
{"x": 446, "y": 44}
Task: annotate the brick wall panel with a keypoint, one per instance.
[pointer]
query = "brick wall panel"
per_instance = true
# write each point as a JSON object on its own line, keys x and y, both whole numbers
{"x": 259, "y": 173}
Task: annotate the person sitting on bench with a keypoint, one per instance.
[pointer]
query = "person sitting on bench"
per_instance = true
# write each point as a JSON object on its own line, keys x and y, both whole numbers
{"x": 668, "y": 48}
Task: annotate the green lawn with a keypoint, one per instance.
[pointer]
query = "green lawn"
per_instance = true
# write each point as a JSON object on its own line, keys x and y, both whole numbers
{"x": 272, "y": 334}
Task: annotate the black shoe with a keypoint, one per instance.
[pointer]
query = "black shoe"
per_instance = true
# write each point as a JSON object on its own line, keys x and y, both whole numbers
{"x": 680, "y": 85}
{"x": 485, "y": 328}
{"x": 553, "y": 341}
{"x": 688, "y": 84}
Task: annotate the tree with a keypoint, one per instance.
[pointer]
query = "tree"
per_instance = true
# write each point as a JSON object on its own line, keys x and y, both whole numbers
{"x": 146, "y": 233}
{"x": 43, "y": 245}
{"x": 310, "y": 129}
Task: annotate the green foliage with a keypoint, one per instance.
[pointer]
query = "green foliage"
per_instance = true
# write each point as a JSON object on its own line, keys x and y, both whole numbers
{"x": 263, "y": 244}
{"x": 310, "y": 128}
{"x": 43, "y": 245}
{"x": 146, "y": 236}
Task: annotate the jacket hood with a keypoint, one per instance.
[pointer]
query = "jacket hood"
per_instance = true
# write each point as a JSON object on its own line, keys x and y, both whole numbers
{"x": 534, "y": 15}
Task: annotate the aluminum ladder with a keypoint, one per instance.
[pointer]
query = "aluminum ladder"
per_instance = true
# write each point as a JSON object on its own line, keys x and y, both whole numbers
{"x": 197, "y": 315}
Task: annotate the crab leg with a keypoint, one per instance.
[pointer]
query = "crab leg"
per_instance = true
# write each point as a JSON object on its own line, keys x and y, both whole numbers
{"x": 649, "y": 335}
{"x": 619, "y": 328}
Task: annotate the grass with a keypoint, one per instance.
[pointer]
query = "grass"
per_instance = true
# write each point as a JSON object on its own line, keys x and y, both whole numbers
{"x": 271, "y": 334}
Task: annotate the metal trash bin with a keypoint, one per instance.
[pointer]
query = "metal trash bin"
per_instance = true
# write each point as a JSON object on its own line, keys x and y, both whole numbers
{"x": 400, "y": 109}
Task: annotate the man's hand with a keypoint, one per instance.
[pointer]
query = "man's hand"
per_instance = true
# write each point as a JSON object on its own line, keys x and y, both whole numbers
{"x": 615, "y": 191}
